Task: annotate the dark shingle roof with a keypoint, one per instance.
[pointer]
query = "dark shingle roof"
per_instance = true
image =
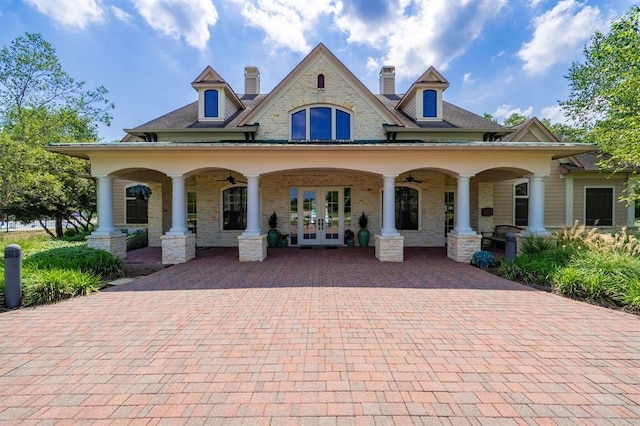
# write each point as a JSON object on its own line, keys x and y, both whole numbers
{"x": 186, "y": 117}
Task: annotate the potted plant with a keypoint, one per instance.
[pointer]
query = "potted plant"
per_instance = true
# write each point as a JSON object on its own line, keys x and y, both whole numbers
{"x": 273, "y": 236}
{"x": 363, "y": 233}
{"x": 349, "y": 237}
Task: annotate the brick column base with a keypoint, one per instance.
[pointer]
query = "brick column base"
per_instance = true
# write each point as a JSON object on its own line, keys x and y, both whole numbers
{"x": 115, "y": 243}
{"x": 178, "y": 248}
{"x": 252, "y": 249}
{"x": 389, "y": 249}
{"x": 461, "y": 247}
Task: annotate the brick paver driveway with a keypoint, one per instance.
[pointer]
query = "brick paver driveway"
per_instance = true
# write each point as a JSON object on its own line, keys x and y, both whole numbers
{"x": 320, "y": 337}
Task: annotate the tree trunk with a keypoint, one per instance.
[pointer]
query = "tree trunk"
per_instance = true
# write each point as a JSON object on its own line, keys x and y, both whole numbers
{"x": 59, "y": 229}
{"x": 47, "y": 230}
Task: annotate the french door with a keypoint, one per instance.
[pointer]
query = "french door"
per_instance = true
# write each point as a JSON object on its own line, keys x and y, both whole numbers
{"x": 320, "y": 216}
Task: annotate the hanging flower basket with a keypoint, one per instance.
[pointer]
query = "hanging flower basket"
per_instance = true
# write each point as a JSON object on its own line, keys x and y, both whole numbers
{"x": 139, "y": 191}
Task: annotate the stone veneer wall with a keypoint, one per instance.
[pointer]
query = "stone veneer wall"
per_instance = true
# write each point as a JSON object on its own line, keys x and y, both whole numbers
{"x": 116, "y": 244}
{"x": 274, "y": 193}
{"x": 389, "y": 249}
{"x": 178, "y": 248}
{"x": 461, "y": 247}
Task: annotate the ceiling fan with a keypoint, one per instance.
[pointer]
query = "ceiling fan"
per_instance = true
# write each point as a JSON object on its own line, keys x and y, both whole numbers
{"x": 231, "y": 179}
{"x": 411, "y": 179}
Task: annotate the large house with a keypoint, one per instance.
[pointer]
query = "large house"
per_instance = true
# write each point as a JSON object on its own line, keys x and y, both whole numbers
{"x": 319, "y": 150}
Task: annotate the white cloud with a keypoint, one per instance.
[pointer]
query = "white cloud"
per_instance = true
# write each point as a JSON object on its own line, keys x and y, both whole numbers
{"x": 555, "y": 114}
{"x": 505, "y": 110}
{"x": 285, "y": 22}
{"x": 121, "y": 15}
{"x": 559, "y": 33}
{"x": 467, "y": 78}
{"x": 180, "y": 19}
{"x": 417, "y": 33}
{"x": 534, "y": 3}
{"x": 71, "y": 13}
{"x": 373, "y": 64}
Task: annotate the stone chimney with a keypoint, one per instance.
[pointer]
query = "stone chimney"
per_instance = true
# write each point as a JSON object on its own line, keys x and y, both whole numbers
{"x": 251, "y": 81}
{"x": 388, "y": 80}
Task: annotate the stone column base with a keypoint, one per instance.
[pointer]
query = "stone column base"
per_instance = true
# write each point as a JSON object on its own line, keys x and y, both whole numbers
{"x": 389, "y": 249}
{"x": 460, "y": 247}
{"x": 252, "y": 248}
{"x": 178, "y": 248}
{"x": 115, "y": 243}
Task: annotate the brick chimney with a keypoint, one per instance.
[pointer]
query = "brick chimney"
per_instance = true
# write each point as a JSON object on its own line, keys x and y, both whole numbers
{"x": 388, "y": 80}
{"x": 251, "y": 81}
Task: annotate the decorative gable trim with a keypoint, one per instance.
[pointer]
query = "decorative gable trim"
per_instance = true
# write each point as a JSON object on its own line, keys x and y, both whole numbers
{"x": 228, "y": 101}
{"x": 536, "y": 128}
{"x": 300, "y": 69}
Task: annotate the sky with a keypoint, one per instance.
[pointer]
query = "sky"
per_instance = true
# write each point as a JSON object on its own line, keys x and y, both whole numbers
{"x": 499, "y": 56}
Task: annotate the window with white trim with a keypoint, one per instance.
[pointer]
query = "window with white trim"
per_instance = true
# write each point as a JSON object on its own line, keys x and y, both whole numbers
{"x": 521, "y": 203}
{"x": 211, "y": 104}
{"x": 598, "y": 206}
{"x": 321, "y": 123}
{"x": 429, "y": 103}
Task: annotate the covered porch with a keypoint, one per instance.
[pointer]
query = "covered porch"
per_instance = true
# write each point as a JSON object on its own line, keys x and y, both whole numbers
{"x": 371, "y": 172}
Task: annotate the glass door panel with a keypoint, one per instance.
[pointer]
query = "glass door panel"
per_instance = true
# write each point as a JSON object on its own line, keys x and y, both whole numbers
{"x": 310, "y": 217}
{"x": 332, "y": 215}
{"x": 319, "y": 215}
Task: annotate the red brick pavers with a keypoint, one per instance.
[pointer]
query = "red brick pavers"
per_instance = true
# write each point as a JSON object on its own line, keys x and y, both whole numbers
{"x": 320, "y": 337}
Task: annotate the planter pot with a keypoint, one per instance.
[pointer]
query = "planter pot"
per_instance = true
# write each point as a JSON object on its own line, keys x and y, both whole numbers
{"x": 363, "y": 237}
{"x": 350, "y": 242}
{"x": 273, "y": 238}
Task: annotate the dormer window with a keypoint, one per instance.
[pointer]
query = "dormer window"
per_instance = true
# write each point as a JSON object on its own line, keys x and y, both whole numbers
{"x": 320, "y": 124}
{"x": 211, "y": 104}
{"x": 429, "y": 103}
{"x": 320, "y": 81}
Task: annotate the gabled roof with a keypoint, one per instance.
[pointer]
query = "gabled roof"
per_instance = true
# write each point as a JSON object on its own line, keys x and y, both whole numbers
{"x": 210, "y": 78}
{"x": 532, "y": 124}
{"x": 432, "y": 75}
{"x": 320, "y": 49}
{"x": 430, "y": 78}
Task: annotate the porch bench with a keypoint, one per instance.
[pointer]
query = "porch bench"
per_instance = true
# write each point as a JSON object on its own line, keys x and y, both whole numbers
{"x": 499, "y": 234}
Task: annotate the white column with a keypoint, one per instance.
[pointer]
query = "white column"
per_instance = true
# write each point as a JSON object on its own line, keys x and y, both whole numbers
{"x": 105, "y": 206}
{"x": 536, "y": 206}
{"x": 178, "y": 207}
{"x": 568, "y": 200}
{"x": 388, "y": 207}
{"x": 253, "y": 207}
{"x": 631, "y": 213}
{"x": 463, "y": 207}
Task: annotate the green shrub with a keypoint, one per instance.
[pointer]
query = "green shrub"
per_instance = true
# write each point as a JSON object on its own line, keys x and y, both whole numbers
{"x": 77, "y": 257}
{"x": 72, "y": 234}
{"x": 138, "y": 239}
{"x": 509, "y": 270}
{"x": 483, "y": 259}
{"x": 42, "y": 286}
{"x": 600, "y": 276}
{"x": 533, "y": 245}
{"x": 632, "y": 295}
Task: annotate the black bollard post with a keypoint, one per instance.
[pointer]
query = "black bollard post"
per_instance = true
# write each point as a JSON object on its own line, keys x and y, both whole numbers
{"x": 12, "y": 276}
{"x": 510, "y": 247}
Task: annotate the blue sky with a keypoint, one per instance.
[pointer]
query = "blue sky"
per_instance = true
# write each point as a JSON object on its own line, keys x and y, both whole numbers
{"x": 499, "y": 56}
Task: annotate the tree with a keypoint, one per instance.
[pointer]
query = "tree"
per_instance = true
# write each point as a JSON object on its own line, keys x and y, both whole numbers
{"x": 39, "y": 104}
{"x": 514, "y": 119}
{"x": 603, "y": 100}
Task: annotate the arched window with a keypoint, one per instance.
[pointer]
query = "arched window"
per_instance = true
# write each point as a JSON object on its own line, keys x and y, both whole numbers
{"x": 429, "y": 103}
{"x": 211, "y": 103}
{"x": 320, "y": 123}
{"x": 521, "y": 203}
{"x": 234, "y": 208}
{"x": 407, "y": 211}
{"x": 320, "y": 81}
{"x": 136, "y": 204}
